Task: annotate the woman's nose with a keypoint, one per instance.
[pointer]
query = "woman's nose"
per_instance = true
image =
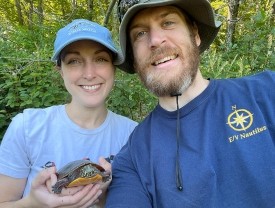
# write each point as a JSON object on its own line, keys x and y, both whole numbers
{"x": 89, "y": 71}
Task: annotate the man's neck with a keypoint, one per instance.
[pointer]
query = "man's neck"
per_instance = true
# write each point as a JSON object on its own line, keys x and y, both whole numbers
{"x": 198, "y": 85}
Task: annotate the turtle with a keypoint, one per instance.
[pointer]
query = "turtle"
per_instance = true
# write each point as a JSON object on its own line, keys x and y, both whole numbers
{"x": 79, "y": 173}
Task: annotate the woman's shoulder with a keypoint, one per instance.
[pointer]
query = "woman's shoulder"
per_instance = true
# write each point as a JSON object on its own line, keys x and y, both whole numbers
{"x": 43, "y": 111}
{"x": 38, "y": 114}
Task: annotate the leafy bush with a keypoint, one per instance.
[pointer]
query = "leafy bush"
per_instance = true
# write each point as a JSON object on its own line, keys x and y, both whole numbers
{"x": 130, "y": 98}
{"x": 27, "y": 77}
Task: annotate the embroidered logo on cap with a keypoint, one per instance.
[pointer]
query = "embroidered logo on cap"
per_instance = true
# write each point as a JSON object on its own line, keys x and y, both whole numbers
{"x": 82, "y": 26}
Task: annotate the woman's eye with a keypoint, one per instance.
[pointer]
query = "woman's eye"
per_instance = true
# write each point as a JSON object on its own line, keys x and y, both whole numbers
{"x": 73, "y": 61}
{"x": 102, "y": 60}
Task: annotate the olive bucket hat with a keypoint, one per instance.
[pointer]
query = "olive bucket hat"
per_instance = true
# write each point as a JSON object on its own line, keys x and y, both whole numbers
{"x": 82, "y": 29}
{"x": 200, "y": 10}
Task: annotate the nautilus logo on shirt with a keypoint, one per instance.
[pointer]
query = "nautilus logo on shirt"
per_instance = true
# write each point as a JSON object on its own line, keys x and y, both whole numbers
{"x": 240, "y": 120}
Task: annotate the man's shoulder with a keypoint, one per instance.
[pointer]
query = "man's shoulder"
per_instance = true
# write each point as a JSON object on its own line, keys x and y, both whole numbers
{"x": 262, "y": 75}
{"x": 262, "y": 78}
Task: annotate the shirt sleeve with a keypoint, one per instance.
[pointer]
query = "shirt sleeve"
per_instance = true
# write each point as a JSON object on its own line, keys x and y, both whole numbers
{"x": 126, "y": 189}
{"x": 14, "y": 160}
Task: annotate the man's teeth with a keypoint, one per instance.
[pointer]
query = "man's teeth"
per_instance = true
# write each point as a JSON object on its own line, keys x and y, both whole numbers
{"x": 89, "y": 87}
{"x": 168, "y": 58}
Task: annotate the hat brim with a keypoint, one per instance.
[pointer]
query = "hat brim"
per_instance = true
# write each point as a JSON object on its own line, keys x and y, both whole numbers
{"x": 118, "y": 59}
{"x": 200, "y": 10}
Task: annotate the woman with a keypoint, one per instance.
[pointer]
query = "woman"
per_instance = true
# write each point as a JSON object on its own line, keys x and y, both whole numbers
{"x": 84, "y": 128}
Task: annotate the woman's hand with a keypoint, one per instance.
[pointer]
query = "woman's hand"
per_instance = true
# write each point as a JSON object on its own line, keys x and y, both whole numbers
{"x": 41, "y": 194}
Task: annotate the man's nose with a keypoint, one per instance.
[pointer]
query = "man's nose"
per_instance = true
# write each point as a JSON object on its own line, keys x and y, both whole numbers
{"x": 157, "y": 37}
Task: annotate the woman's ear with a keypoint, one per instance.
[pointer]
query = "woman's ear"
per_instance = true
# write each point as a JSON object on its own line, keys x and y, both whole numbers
{"x": 58, "y": 68}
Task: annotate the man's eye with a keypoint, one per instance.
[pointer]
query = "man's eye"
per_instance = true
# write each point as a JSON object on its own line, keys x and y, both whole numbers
{"x": 168, "y": 23}
{"x": 140, "y": 34}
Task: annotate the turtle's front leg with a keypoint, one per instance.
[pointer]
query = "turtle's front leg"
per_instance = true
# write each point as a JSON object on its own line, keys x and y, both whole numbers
{"x": 57, "y": 187}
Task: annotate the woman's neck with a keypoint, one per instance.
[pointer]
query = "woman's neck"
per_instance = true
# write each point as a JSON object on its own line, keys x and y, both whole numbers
{"x": 88, "y": 118}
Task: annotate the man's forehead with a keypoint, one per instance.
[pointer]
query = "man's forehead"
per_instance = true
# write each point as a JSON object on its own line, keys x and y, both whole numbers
{"x": 161, "y": 10}
{"x": 155, "y": 12}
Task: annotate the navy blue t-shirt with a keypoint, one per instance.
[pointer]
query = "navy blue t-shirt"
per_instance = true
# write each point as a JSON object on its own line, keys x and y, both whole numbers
{"x": 226, "y": 151}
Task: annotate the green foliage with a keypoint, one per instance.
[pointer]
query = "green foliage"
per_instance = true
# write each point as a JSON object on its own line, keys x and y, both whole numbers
{"x": 254, "y": 42}
{"x": 253, "y": 48}
{"x": 130, "y": 98}
{"x": 27, "y": 76}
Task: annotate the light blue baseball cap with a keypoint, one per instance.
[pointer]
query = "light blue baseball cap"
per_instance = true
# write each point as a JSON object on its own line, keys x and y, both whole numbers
{"x": 82, "y": 29}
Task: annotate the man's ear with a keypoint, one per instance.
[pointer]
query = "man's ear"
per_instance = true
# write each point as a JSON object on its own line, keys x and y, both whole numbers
{"x": 196, "y": 34}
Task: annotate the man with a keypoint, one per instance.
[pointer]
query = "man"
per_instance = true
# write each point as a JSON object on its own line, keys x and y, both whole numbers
{"x": 208, "y": 143}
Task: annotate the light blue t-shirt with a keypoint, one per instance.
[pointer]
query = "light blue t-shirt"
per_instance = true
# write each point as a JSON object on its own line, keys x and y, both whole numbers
{"x": 37, "y": 136}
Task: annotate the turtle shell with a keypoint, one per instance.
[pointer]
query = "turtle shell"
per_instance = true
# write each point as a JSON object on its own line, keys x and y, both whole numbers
{"x": 79, "y": 173}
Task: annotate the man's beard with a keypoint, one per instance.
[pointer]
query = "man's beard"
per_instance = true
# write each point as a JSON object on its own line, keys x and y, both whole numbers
{"x": 167, "y": 84}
